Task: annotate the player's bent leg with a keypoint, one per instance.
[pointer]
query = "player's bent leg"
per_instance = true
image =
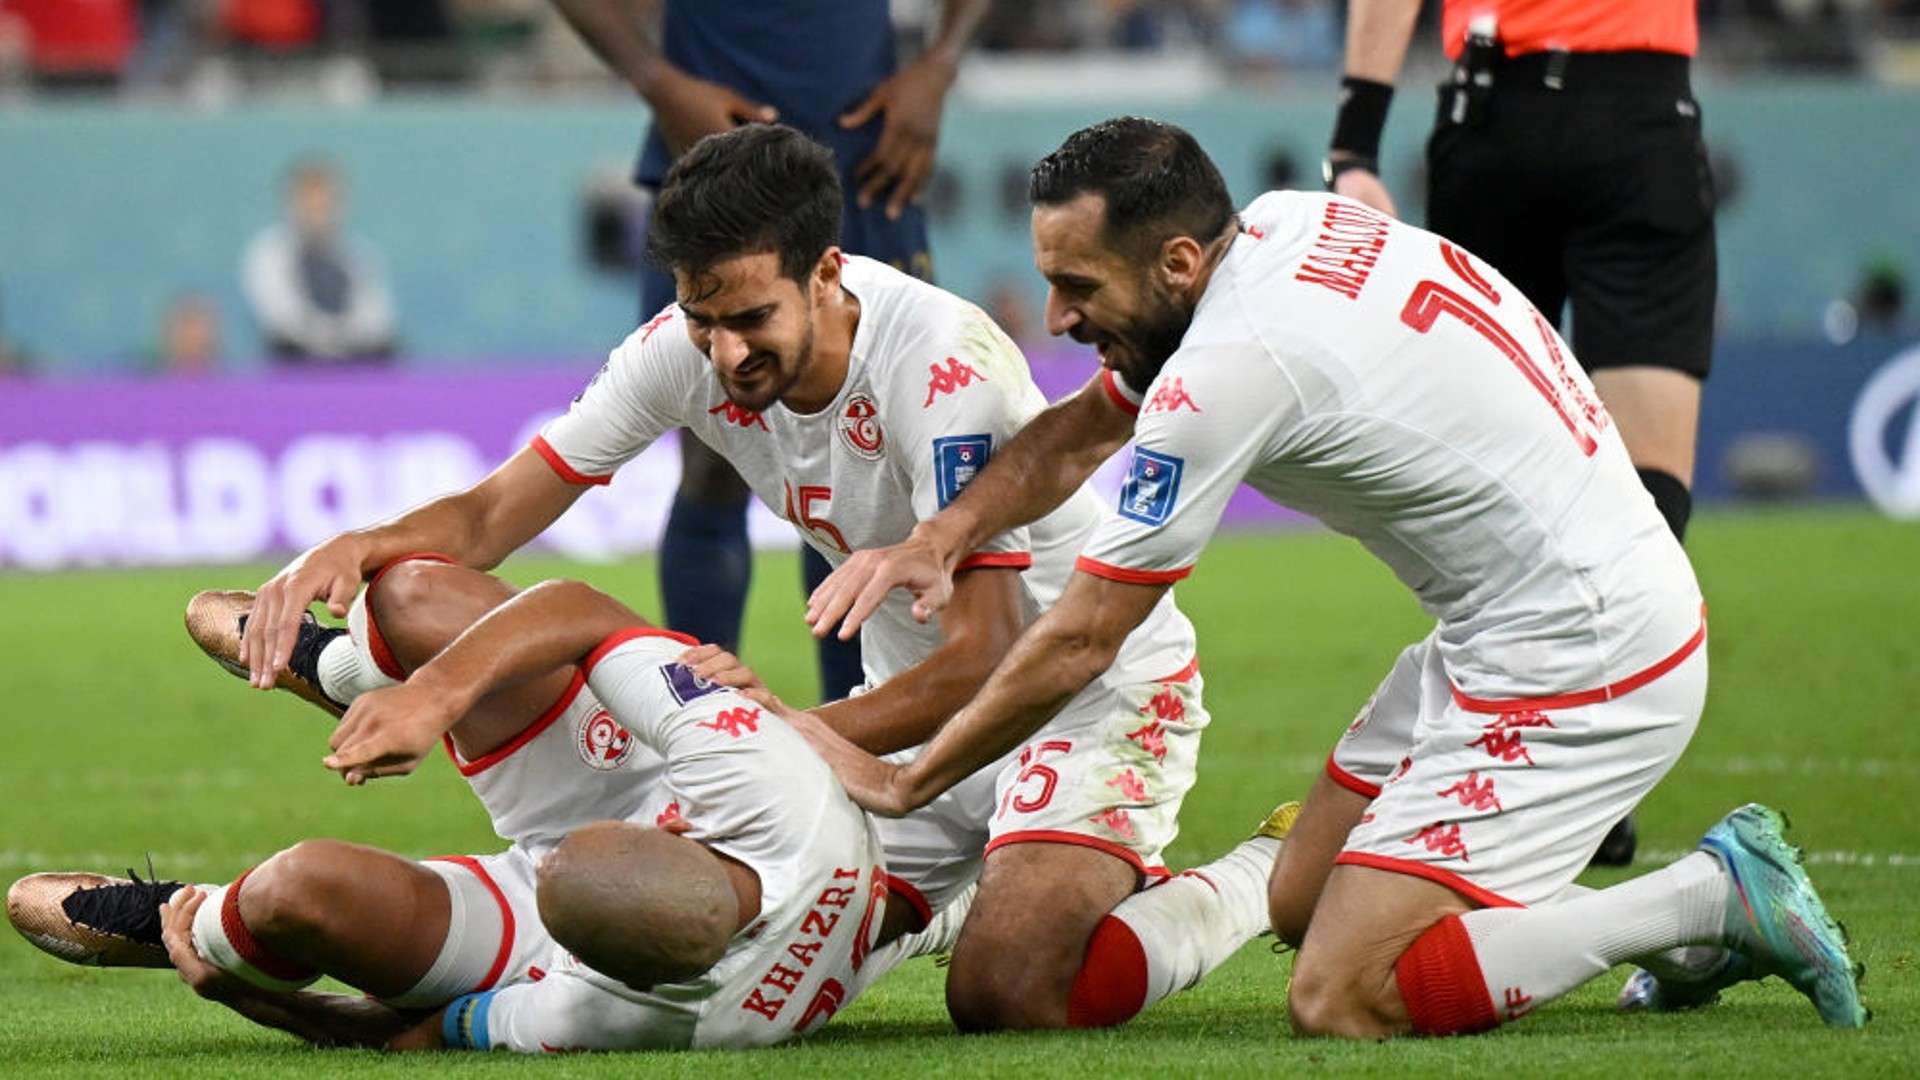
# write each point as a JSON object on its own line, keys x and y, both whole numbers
{"x": 414, "y": 608}
{"x": 1345, "y": 980}
{"x": 1300, "y": 872}
{"x": 367, "y": 917}
{"x": 706, "y": 562}
{"x": 1026, "y": 939}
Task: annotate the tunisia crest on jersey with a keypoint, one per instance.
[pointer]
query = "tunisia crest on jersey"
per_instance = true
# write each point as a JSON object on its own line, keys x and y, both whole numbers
{"x": 603, "y": 743}
{"x": 860, "y": 428}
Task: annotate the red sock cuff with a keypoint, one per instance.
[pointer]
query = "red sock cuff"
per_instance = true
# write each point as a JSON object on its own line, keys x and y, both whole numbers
{"x": 1441, "y": 983}
{"x": 263, "y": 959}
{"x": 1111, "y": 987}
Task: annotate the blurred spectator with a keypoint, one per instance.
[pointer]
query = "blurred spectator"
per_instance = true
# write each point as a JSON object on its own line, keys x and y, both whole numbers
{"x": 74, "y": 44}
{"x": 271, "y": 26}
{"x": 190, "y": 336}
{"x": 1010, "y": 306}
{"x": 1282, "y": 35}
{"x": 318, "y": 293}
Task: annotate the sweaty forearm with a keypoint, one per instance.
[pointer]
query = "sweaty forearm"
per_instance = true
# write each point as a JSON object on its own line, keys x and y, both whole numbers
{"x": 551, "y": 625}
{"x": 323, "y": 1019}
{"x": 1377, "y": 35}
{"x": 624, "y": 34}
{"x": 1036, "y": 471}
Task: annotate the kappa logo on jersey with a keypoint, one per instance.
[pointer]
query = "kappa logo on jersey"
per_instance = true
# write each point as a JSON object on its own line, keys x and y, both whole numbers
{"x": 860, "y": 428}
{"x": 1153, "y": 483}
{"x": 684, "y": 685}
{"x": 735, "y": 722}
{"x": 950, "y": 378}
{"x": 733, "y": 414}
{"x": 603, "y": 743}
{"x": 957, "y": 459}
{"x": 1170, "y": 396}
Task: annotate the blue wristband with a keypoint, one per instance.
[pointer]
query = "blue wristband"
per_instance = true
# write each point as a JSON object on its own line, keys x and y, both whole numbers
{"x": 463, "y": 1026}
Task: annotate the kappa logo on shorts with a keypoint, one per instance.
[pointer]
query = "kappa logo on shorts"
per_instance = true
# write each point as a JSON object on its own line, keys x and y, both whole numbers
{"x": 860, "y": 428}
{"x": 603, "y": 743}
{"x": 1153, "y": 484}
{"x": 684, "y": 685}
{"x": 957, "y": 459}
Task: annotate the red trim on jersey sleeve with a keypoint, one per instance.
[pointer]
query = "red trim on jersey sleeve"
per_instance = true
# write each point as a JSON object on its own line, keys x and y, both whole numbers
{"x": 632, "y": 633}
{"x": 1185, "y": 673}
{"x": 1351, "y": 782}
{"x": 1060, "y": 836}
{"x": 1127, "y": 575}
{"x": 559, "y": 464}
{"x": 1432, "y": 873}
{"x": 905, "y": 890}
{"x": 1588, "y": 697}
{"x": 527, "y": 734}
{"x": 1118, "y": 394}
{"x": 505, "y": 951}
{"x": 1016, "y": 560}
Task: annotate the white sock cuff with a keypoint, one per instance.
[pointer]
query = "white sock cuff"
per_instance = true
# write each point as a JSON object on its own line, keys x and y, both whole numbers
{"x": 211, "y": 941}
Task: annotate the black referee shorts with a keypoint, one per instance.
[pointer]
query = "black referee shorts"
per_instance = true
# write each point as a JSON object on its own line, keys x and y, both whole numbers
{"x": 1598, "y": 193}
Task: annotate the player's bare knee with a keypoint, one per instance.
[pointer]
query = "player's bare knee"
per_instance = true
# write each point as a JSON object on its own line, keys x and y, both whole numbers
{"x": 292, "y": 892}
{"x": 1334, "y": 1001}
{"x": 998, "y": 984}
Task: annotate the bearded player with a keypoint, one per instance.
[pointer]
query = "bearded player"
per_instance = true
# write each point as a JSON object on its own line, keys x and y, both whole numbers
{"x": 857, "y": 401}
{"x": 1396, "y": 387}
{"x": 658, "y": 893}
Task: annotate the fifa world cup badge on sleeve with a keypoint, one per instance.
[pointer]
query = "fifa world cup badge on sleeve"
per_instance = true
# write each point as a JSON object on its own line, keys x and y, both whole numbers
{"x": 1153, "y": 483}
{"x": 956, "y": 460}
{"x": 684, "y": 685}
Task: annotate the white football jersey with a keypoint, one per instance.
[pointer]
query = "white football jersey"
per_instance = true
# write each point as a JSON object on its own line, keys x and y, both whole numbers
{"x": 933, "y": 387}
{"x": 1399, "y": 389}
{"x": 752, "y": 789}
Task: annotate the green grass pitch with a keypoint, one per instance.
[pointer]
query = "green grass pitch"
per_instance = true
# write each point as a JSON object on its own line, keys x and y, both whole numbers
{"x": 119, "y": 740}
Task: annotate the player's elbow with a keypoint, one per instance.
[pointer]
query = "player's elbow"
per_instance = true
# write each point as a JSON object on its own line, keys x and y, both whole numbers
{"x": 1076, "y": 658}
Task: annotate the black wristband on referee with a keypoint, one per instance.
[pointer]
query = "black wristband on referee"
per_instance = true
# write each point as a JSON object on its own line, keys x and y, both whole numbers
{"x": 1362, "y": 116}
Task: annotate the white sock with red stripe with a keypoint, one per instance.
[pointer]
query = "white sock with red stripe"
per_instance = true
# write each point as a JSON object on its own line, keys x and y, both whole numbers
{"x": 1492, "y": 966}
{"x": 222, "y": 939}
{"x": 1166, "y": 938}
{"x": 347, "y": 667}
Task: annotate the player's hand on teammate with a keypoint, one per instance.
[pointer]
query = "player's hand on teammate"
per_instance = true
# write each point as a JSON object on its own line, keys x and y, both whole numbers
{"x": 388, "y": 732}
{"x": 872, "y": 783}
{"x": 1363, "y": 186}
{"x": 329, "y": 572}
{"x": 689, "y": 109}
{"x": 716, "y": 665}
{"x": 176, "y": 934}
{"x": 857, "y": 587}
{"x": 910, "y": 100}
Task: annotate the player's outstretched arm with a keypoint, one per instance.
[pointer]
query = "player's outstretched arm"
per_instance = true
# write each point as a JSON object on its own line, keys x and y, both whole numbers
{"x": 978, "y": 627}
{"x": 556, "y": 623}
{"x": 1067, "y": 648}
{"x": 319, "y": 1018}
{"x": 477, "y": 527}
{"x": 1036, "y": 471}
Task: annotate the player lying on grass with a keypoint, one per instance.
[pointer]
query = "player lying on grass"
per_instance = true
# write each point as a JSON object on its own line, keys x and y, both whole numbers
{"x": 685, "y": 872}
{"x": 1391, "y": 384}
{"x": 858, "y": 401}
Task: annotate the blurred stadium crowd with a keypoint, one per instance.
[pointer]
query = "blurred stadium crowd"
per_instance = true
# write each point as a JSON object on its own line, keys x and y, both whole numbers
{"x": 215, "y": 50}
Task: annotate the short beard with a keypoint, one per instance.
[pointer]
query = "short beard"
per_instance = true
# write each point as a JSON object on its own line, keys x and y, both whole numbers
{"x": 1155, "y": 337}
{"x": 803, "y": 359}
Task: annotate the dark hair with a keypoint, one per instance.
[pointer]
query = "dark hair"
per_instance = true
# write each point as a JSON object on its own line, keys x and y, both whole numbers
{"x": 1157, "y": 182}
{"x": 757, "y": 188}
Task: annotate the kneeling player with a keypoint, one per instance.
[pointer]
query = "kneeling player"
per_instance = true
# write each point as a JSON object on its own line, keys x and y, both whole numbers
{"x": 722, "y": 927}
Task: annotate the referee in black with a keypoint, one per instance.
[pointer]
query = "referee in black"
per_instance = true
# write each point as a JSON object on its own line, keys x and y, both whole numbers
{"x": 1566, "y": 151}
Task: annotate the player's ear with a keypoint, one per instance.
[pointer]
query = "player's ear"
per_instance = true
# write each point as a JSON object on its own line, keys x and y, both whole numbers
{"x": 1180, "y": 260}
{"x": 826, "y": 272}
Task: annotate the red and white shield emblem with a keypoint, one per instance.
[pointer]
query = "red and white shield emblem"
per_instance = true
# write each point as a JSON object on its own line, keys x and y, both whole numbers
{"x": 604, "y": 744}
{"x": 860, "y": 428}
